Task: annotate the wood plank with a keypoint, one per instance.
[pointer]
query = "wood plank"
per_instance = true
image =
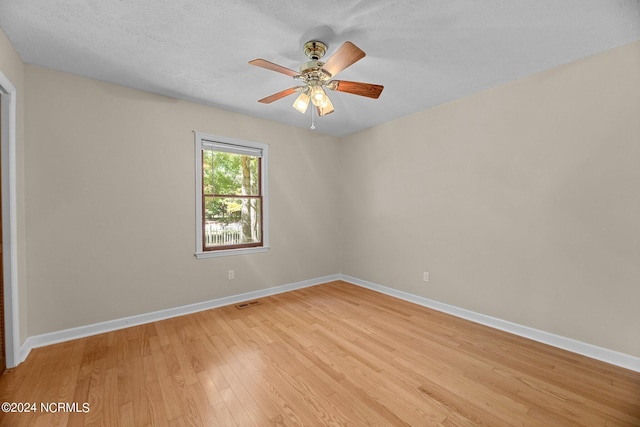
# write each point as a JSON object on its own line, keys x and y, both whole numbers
{"x": 332, "y": 354}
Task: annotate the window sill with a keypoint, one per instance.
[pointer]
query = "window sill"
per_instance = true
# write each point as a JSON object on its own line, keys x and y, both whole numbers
{"x": 230, "y": 252}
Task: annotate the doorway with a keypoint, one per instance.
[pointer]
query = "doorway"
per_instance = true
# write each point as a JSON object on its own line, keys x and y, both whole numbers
{"x": 10, "y": 342}
{"x": 3, "y": 350}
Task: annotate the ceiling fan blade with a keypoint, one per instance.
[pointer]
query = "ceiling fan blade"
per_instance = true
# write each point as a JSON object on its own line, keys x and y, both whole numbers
{"x": 348, "y": 54}
{"x": 263, "y": 63}
{"x": 357, "y": 88}
{"x": 269, "y": 99}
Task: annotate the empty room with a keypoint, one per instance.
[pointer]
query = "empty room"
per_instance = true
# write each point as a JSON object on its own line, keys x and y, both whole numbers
{"x": 383, "y": 213}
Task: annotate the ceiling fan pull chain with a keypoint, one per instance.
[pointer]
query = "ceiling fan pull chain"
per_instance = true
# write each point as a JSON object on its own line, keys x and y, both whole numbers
{"x": 313, "y": 125}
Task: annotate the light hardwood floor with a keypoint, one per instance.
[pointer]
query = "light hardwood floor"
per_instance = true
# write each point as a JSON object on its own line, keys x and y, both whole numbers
{"x": 333, "y": 354}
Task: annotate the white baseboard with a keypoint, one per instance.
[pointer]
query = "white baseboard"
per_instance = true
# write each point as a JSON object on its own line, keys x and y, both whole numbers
{"x": 126, "y": 322}
{"x": 589, "y": 350}
{"x": 605, "y": 355}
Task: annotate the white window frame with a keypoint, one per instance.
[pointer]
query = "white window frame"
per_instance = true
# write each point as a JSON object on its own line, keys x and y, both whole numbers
{"x": 202, "y": 139}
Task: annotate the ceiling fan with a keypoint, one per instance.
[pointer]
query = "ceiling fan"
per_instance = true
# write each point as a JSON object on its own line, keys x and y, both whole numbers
{"x": 316, "y": 76}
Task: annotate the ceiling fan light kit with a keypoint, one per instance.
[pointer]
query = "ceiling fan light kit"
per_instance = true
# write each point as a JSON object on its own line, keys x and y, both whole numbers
{"x": 316, "y": 76}
{"x": 302, "y": 102}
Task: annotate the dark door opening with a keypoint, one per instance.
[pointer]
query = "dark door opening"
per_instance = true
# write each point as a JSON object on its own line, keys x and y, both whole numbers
{"x": 3, "y": 350}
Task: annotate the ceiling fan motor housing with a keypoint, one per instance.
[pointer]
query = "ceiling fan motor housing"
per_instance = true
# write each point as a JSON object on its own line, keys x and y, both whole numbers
{"x": 311, "y": 66}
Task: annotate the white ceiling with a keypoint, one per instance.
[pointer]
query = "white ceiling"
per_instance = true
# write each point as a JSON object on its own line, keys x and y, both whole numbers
{"x": 424, "y": 52}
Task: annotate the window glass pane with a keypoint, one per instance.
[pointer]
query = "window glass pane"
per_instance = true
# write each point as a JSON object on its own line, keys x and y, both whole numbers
{"x": 207, "y": 172}
{"x": 250, "y": 175}
{"x": 232, "y": 221}
{"x": 251, "y": 220}
{"x": 230, "y": 173}
{"x": 247, "y": 175}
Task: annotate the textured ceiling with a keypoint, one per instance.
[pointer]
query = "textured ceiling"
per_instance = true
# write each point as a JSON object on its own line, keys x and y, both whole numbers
{"x": 424, "y": 52}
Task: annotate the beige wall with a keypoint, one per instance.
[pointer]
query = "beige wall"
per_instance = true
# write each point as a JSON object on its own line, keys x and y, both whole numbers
{"x": 13, "y": 68}
{"x": 111, "y": 203}
{"x": 522, "y": 202}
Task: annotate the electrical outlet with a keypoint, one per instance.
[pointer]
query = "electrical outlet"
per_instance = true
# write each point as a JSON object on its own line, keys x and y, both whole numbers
{"x": 425, "y": 276}
{"x": 232, "y": 274}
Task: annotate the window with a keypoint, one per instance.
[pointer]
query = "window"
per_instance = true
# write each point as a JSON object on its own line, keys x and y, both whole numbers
{"x": 231, "y": 196}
